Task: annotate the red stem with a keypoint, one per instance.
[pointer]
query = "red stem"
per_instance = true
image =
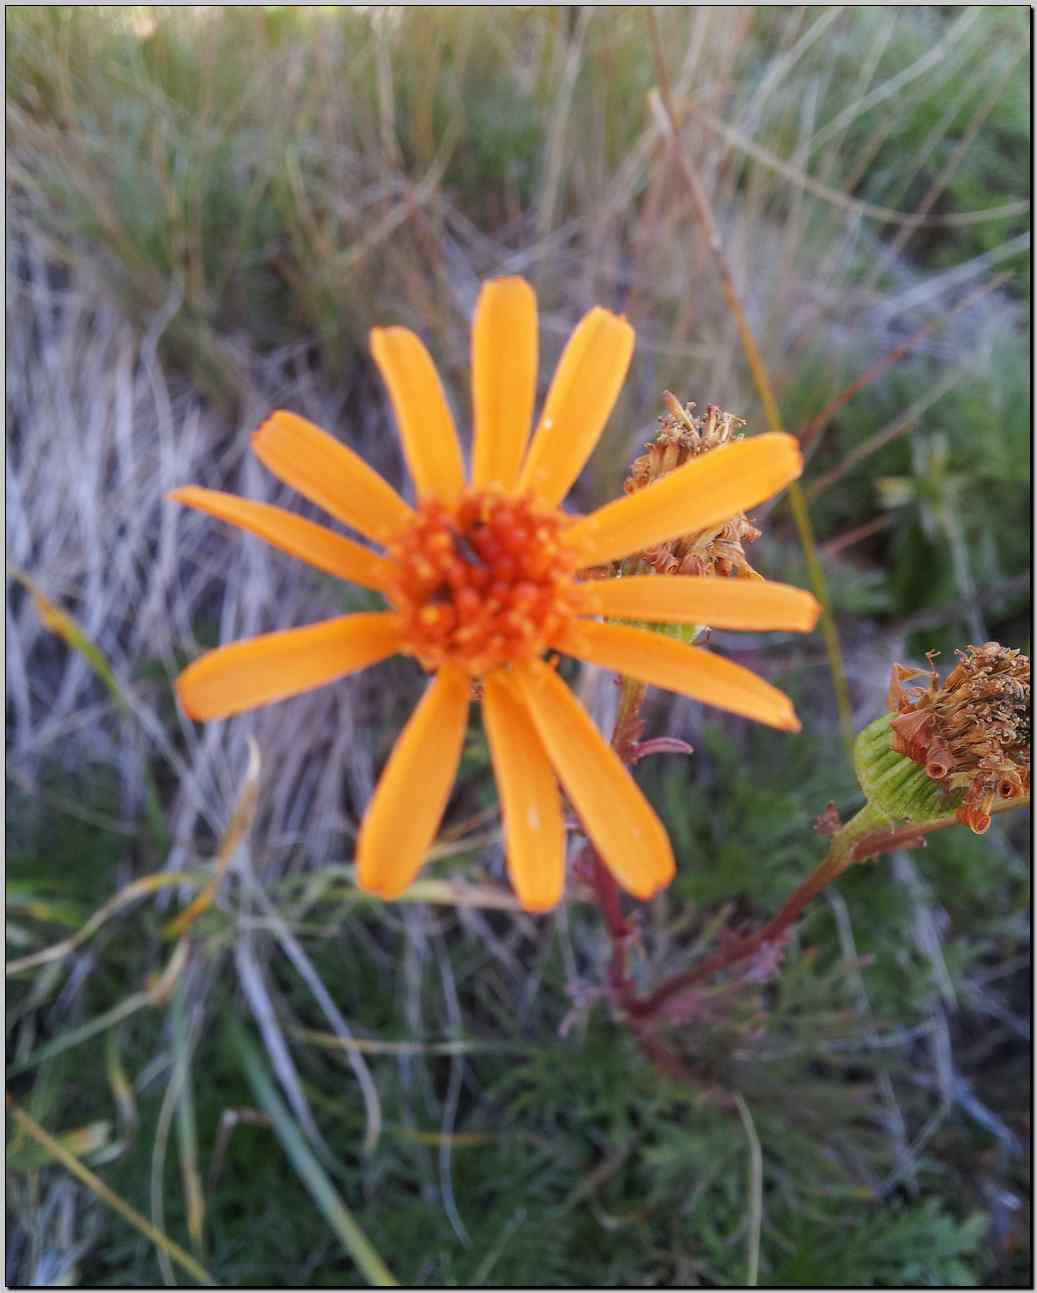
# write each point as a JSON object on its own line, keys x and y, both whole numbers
{"x": 625, "y": 738}
{"x": 866, "y": 846}
{"x": 857, "y": 841}
{"x": 818, "y": 424}
{"x": 811, "y": 887}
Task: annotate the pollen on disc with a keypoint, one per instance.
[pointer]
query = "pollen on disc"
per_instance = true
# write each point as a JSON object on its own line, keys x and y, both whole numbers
{"x": 483, "y": 584}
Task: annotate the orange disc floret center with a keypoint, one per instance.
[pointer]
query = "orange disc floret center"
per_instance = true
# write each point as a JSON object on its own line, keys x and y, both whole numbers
{"x": 483, "y": 584}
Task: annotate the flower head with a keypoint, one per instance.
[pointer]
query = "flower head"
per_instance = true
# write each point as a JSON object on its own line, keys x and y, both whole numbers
{"x": 482, "y": 577}
{"x": 972, "y": 733}
{"x": 718, "y": 549}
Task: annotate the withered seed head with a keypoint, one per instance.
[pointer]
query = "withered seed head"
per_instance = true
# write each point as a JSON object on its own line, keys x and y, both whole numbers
{"x": 972, "y": 734}
{"x": 681, "y": 437}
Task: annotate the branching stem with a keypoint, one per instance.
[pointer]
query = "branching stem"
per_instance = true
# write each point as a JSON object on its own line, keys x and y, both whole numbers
{"x": 866, "y": 836}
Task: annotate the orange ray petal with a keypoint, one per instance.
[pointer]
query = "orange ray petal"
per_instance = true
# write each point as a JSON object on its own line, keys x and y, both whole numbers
{"x": 311, "y": 543}
{"x": 583, "y": 391}
{"x": 533, "y": 827}
{"x": 693, "y": 599}
{"x": 664, "y": 662}
{"x": 622, "y": 825}
{"x": 409, "y": 800}
{"x": 703, "y": 492}
{"x": 504, "y": 377}
{"x": 259, "y": 670}
{"x": 323, "y": 470}
{"x": 430, "y": 442}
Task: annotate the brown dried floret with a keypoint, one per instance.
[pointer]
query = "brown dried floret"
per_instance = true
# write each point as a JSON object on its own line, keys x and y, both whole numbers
{"x": 718, "y": 550}
{"x": 972, "y": 733}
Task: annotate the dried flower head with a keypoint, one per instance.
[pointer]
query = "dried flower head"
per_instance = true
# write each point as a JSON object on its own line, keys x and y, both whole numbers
{"x": 719, "y": 549}
{"x": 971, "y": 734}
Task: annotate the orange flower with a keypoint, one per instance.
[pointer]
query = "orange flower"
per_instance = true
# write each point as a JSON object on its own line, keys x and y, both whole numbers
{"x": 482, "y": 579}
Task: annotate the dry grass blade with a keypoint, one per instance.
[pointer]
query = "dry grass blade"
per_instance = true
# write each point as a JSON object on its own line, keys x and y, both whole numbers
{"x": 122, "y": 1091}
{"x": 559, "y": 120}
{"x": 854, "y": 206}
{"x": 376, "y": 1046}
{"x": 439, "y": 893}
{"x": 600, "y": 1175}
{"x": 858, "y": 534}
{"x": 240, "y": 825}
{"x": 663, "y": 107}
{"x": 310, "y": 1172}
{"x": 230, "y": 1120}
{"x": 93, "y": 1141}
{"x": 940, "y": 183}
{"x": 403, "y": 209}
{"x": 61, "y": 624}
{"x": 900, "y": 426}
{"x": 147, "y": 884}
{"x": 64, "y": 626}
{"x": 455, "y": 1139}
{"x": 304, "y": 966}
{"x": 153, "y": 995}
{"x": 94, "y": 1183}
{"x": 890, "y": 88}
{"x": 815, "y": 428}
{"x": 257, "y": 994}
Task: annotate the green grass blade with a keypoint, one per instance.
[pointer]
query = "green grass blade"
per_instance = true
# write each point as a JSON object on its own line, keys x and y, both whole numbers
{"x": 306, "y": 1165}
{"x": 186, "y": 1124}
{"x": 755, "y": 1191}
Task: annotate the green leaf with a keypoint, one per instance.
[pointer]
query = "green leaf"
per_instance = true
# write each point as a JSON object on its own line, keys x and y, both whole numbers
{"x": 302, "y": 1158}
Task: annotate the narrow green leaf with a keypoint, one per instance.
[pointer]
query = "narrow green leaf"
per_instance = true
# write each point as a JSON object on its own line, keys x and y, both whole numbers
{"x": 310, "y": 1172}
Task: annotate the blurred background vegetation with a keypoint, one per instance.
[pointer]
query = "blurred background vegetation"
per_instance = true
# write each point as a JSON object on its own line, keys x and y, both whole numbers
{"x": 208, "y": 207}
